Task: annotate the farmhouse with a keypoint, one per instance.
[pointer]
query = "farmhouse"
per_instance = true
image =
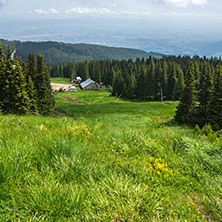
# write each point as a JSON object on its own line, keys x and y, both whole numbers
{"x": 77, "y": 81}
{"x": 89, "y": 84}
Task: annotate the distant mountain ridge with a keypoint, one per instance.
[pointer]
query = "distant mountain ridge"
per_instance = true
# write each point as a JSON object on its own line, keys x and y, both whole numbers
{"x": 61, "y": 53}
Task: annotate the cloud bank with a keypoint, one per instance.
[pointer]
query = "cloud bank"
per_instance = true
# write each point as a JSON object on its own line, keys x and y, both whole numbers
{"x": 181, "y": 3}
{"x": 50, "y": 11}
{"x": 103, "y": 11}
{"x": 79, "y": 10}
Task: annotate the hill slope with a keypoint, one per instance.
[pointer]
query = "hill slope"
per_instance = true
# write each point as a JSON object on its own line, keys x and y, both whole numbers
{"x": 60, "y": 53}
{"x": 108, "y": 160}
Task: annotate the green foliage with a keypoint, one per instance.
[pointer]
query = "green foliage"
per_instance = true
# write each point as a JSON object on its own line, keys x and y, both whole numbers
{"x": 20, "y": 102}
{"x": 24, "y": 89}
{"x": 215, "y": 104}
{"x": 179, "y": 84}
{"x": 187, "y": 105}
{"x": 208, "y": 109}
{"x": 60, "y": 80}
{"x": 171, "y": 84}
{"x": 2, "y": 74}
{"x": 205, "y": 95}
{"x": 116, "y": 160}
{"x": 62, "y": 53}
{"x": 42, "y": 84}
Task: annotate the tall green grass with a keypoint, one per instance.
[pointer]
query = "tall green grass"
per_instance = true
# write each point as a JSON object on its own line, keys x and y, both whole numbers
{"x": 107, "y": 160}
{"x": 60, "y": 80}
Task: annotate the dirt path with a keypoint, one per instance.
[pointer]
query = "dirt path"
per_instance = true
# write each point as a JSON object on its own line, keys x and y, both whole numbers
{"x": 59, "y": 85}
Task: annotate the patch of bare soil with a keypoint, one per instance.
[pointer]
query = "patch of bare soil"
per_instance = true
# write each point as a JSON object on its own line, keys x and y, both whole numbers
{"x": 61, "y": 113}
{"x": 59, "y": 85}
{"x": 71, "y": 99}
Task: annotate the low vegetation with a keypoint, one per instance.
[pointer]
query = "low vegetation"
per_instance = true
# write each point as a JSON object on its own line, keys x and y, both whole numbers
{"x": 107, "y": 159}
{"x": 60, "y": 80}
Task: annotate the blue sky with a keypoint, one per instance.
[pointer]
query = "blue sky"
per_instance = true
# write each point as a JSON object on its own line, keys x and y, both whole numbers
{"x": 210, "y": 9}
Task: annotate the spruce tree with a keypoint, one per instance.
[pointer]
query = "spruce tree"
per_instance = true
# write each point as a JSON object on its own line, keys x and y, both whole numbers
{"x": 20, "y": 102}
{"x": 187, "y": 105}
{"x": 215, "y": 104}
{"x": 150, "y": 80}
{"x": 130, "y": 84}
{"x": 204, "y": 96}
{"x": 7, "y": 85}
{"x": 158, "y": 80}
{"x": 97, "y": 73}
{"x": 120, "y": 84}
{"x": 197, "y": 75}
{"x": 164, "y": 77}
{"x": 172, "y": 79}
{"x": 115, "y": 82}
{"x": 179, "y": 84}
{"x": 32, "y": 96}
{"x": 31, "y": 67}
{"x": 45, "y": 99}
{"x": 2, "y": 75}
{"x": 206, "y": 89}
{"x": 141, "y": 83}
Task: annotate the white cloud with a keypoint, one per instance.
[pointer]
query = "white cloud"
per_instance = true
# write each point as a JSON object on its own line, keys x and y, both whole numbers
{"x": 79, "y": 10}
{"x": 181, "y": 3}
{"x": 54, "y": 11}
{"x": 135, "y": 13}
{"x": 103, "y": 11}
{"x": 50, "y": 11}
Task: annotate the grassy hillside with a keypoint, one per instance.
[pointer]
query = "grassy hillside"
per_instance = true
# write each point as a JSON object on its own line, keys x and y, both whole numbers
{"x": 107, "y": 160}
{"x": 60, "y": 53}
{"x": 60, "y": 80}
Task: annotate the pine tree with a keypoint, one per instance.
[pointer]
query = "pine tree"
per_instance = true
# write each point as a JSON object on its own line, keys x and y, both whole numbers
{"x": 120, "y": 84}
{"x": 187, "y": 105}
{"x": 179, "y": 84}
{"x": 20, "y": 102}
{"x": 115, "y": 82}
{"x": 215, "y": 104}
{"x": 2, "y": 75}
{"x": 31, "y": 67}
{"x": 204, "y": 96}
{"x": 164, "y": 77}
{"x": 172, "y": 79}
{"x": 97, "y": 73}
{"x": 206, "y": 89}
{"x": 83, "y": 70}
{"x": 8, "y": 81}
{"x": 32, "y": 96}
{"x": 158, "y": 80}
{"x": 150, "y": 80}
{"x": 141, "y": 83}
{"x": 45, "y": 99}
{"x": 197, "y": 75}
{"x": 130, "y": 84}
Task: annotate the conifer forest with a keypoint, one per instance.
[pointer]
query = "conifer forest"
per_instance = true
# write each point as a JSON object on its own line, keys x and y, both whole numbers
{"x": 196, "y": 82}
{"x": 24, "y": 87}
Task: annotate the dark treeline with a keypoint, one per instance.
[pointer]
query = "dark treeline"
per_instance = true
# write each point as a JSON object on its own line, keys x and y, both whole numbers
{"x": 24, "y": 87}
{"x": 168, "y": 78}
{"x": 143, "y": 79}
{"x": 201, "y": 100}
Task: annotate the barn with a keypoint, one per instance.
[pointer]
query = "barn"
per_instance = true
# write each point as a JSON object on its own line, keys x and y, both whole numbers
{"x": 88, "y": 84}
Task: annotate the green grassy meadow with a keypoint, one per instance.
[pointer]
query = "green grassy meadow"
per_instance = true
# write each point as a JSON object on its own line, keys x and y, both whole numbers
{"x": 60, "y": 80}
{"x": 100, "y": 158}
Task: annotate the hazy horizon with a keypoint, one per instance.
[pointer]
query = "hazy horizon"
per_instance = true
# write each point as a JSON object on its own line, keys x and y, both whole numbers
{"x": 165, "y": 26}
